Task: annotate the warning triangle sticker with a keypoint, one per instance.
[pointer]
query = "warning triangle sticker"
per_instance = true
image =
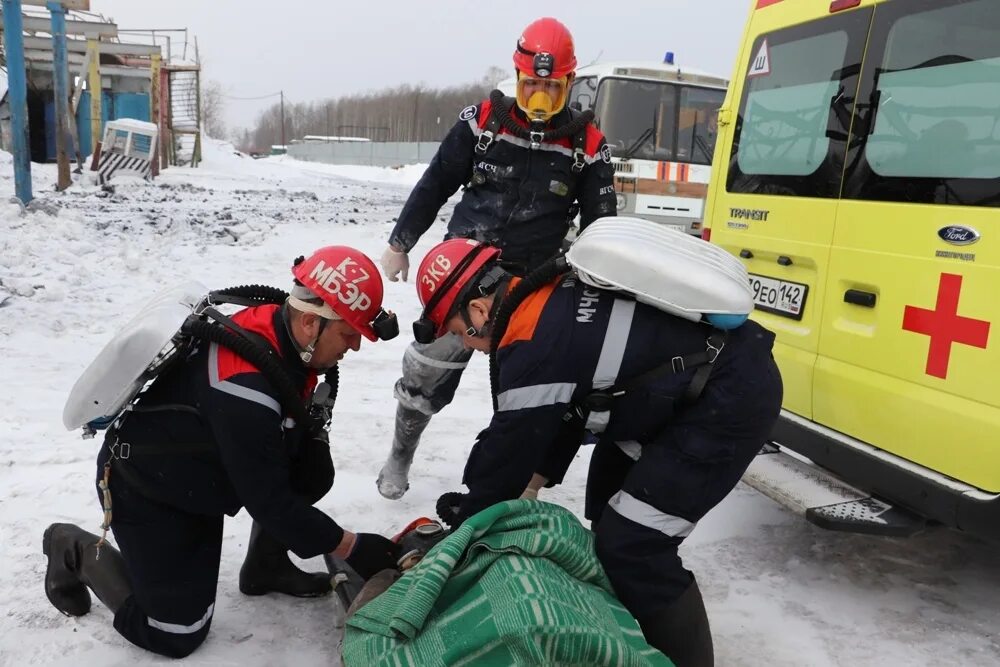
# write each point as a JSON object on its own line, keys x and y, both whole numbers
{"x": 761, "y": 63}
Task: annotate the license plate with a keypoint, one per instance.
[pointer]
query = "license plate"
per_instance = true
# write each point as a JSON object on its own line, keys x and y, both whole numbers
{"x": 780, "y": 297}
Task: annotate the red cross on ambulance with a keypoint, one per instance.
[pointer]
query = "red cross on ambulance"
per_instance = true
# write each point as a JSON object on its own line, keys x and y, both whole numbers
{"x": 945, "y": 326}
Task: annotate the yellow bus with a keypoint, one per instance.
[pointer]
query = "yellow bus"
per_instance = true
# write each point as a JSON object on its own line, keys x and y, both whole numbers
{"x": 857, "y": 173}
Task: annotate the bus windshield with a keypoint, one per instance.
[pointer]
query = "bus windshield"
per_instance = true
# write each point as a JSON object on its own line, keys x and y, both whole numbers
{"x": 651, "y": 120}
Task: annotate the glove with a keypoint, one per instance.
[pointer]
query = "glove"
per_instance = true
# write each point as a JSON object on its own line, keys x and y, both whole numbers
{"x": 395, "y": 262}
{"x": 449, "y": 508}
{"x": 371, "y": 554}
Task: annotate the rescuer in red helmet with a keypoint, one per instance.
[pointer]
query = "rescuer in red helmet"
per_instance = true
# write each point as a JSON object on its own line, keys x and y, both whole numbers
{"x": 526, "y": 164}
{"x": 678, "y": 410}
{"x": 235, "y": 423}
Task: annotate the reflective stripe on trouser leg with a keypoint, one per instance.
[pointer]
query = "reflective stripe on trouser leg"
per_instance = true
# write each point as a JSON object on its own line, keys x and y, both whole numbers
{"x": 642, "y": 564}
{"x": 631, "y": 448}
{"x": 609, "y": 466}
{"x": 660, "y": 499}
{"x": 180, "y": 629}
{"x": 646, "y": 515}
{"x": 431, "y": 374}
{"x": 172, "y": 559}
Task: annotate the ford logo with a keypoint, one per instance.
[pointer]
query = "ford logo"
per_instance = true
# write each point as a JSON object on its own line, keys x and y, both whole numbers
{"x": 958, "y": 235}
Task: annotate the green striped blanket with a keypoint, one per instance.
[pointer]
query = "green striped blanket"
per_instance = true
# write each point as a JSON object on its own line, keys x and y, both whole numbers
{"x": 517, "y": 584}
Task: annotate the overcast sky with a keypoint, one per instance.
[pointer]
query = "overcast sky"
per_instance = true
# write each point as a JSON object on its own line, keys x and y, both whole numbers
{"x": 314, "y": 49}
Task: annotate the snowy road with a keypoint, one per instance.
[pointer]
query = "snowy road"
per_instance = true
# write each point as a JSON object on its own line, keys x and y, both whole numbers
{"x": 779, "y": 591}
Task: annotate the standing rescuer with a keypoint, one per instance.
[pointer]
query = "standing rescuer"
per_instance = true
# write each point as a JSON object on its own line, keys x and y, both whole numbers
{"x": 212, "y": 434}
{"x": 524, "y": 163}
{"x": 681, "y": 411}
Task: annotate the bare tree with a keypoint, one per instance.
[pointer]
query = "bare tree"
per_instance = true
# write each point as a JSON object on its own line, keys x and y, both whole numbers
{"x": 408, "y": 112}
{"x": 213, "y": 107}
{"x": 494, "y": 75}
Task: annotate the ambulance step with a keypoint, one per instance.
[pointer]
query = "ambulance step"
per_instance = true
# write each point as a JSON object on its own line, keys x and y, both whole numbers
{"x": 825, "y": 500}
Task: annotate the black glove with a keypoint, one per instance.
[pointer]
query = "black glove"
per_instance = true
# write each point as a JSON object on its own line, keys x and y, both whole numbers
{"x": 449, "y": 508}
{"x": 371, "y": 554}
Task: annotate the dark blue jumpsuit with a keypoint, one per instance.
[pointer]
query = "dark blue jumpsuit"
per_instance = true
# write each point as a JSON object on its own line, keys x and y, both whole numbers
{"x": 207, "y": 438}
{"x": 659, "y": 464}
{"x": 517, "y": 198}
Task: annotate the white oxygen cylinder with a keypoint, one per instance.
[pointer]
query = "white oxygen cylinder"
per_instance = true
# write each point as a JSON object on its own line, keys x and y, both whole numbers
{"x": 119, "y": 371}
{"x": 664, "y": 268}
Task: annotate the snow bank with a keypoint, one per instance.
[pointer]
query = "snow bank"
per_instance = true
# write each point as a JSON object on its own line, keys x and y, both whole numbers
{"x": 779, "y": 591}
{"x": 222, "y": 157}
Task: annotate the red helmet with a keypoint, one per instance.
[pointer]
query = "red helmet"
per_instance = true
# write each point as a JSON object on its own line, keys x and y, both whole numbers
{"x": 444, "y": 273}
{"x": 545, "y": 50}
{"x": 348, "y": 284}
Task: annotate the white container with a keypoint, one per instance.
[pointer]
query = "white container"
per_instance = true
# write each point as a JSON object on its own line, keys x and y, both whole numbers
{"x": 119, "y": 371}
{"x": 664, "y": 268}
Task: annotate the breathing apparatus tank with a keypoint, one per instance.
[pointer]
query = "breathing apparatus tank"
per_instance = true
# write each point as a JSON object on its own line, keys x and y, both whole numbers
{"x": 165, "y": 331}
{"x": 664, "y": 268}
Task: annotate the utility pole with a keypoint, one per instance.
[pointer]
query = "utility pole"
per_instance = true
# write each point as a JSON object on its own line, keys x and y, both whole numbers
{"x": 61, "y": 89}
{"x": 284, "y": 146}
{"x": 17, "y": 91}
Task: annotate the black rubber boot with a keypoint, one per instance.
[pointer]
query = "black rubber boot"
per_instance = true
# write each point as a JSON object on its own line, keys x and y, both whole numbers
{"x": 393, "y": 478}
{"x": 681, "y": 631}
{"x": 268, "y": 569}
{"x": 76, "y": 564}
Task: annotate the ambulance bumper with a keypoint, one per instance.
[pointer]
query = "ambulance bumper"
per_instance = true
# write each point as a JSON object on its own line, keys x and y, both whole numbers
{"x": 928, "y": 493}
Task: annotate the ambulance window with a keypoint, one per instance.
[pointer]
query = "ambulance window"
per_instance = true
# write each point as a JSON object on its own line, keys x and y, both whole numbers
{"x": 931, "y": 127}
{"x": 796, "y": 107}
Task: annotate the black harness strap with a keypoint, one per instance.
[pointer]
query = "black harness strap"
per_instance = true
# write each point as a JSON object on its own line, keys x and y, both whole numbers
{"x": 602, "y": 400}
{"x": 579, "y": 150}
{"x": 715, "y": 343}
{"x": 499, "y": 111}
{"x": 228, "y": 322}
{"x": 489, "y": 133}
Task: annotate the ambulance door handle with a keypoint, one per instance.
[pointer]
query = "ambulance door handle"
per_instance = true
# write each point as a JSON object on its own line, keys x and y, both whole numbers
{"x": 785, "y": 260}
{"x": 860, "y": 298}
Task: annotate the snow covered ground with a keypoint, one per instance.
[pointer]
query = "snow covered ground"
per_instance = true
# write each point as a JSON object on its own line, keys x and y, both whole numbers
{"x": 779, "y": 591}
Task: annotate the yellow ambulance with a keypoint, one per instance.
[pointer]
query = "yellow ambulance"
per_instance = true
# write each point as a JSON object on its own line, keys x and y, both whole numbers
{"x": 857, "y": 173}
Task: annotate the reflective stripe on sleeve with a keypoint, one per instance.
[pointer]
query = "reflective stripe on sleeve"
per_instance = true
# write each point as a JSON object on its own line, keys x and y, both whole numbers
{"x": 535, "y": 396}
